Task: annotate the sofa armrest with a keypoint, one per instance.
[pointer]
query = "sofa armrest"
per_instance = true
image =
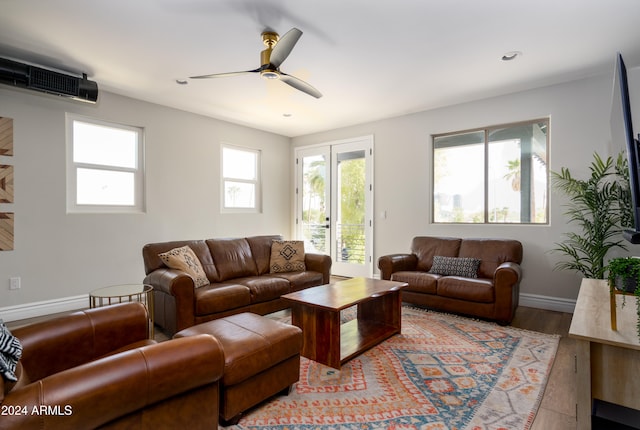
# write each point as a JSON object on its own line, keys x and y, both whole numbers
{"x": 51, "y": 346}
{"x": 171, "y": 281}
{"x": 100, "y": 392}
{"x": 388, "y": 264}
{"x": 175, "y": 283}
{"x": 319, "y": 263}
{"x": 507, "y": 274}
{"x": 506, "y": 281}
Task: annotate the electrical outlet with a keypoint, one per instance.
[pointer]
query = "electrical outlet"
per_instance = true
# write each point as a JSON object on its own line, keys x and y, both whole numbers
{"x": 14, "y": 283}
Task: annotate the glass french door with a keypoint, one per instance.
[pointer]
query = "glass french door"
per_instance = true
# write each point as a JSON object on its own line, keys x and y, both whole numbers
{"x": 334, "y": 205}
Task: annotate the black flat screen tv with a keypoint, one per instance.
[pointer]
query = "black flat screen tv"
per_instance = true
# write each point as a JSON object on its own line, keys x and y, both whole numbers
{"x": 622, "y": 134}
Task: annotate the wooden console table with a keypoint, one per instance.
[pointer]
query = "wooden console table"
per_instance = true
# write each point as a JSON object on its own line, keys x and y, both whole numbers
{"x": 607, "y": 360}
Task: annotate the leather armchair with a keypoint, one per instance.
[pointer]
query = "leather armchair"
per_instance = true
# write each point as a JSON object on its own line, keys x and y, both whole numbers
{"x": 97, "y": 369}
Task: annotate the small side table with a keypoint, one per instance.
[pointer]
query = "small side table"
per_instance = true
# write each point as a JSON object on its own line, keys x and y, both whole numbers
{"x": 142, "y": 293}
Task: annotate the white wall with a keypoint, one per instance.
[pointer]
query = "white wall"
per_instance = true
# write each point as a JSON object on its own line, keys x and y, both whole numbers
{"x": 60, "y": 255}
{"x": 579, "y": 113}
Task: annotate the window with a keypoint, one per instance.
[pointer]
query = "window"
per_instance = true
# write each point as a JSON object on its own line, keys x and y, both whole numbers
{"x": 493, "y": 175}
{"x": 240, "y": 179}
{"x": 105, "y": 172}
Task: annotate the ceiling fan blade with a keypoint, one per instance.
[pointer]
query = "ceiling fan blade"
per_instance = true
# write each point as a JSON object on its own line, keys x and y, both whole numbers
{"x": 300, "y": 85}
{"x": 284, "y": 46}
{"x": 224, "y": 75}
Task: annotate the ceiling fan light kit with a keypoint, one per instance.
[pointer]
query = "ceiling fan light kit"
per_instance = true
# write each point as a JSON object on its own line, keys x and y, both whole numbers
{"x": 277, "y": 50}
{"x": 270, "y": 74}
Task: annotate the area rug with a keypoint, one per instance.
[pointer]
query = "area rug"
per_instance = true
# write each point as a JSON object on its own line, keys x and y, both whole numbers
{"x": 441, "y": 372}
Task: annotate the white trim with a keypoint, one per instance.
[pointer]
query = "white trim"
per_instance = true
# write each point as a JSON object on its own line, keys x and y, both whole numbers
{"x": 47, "y": 307}
{"x": 547, "y": 302}
{"x": 138, "y": 171}
{"x": 256, "y": 182}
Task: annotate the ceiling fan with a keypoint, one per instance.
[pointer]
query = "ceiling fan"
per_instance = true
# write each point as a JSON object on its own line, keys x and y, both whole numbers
{"x": 278, "y": 49}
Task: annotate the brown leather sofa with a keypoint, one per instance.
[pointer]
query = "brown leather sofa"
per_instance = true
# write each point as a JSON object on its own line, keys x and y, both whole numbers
{"x": 239, "y": 276}
{"x": 97, "y": 369}
{"x": 493, "y": 294}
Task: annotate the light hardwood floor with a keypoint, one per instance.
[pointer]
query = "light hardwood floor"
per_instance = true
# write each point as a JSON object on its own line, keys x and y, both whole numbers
{"x": 558, "y": 407}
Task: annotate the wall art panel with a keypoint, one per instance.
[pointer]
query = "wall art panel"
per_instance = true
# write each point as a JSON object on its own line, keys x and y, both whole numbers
{"x": 6, "y": 136}
{"x": 6, "y": 183}
{"x": 6, "y": 231}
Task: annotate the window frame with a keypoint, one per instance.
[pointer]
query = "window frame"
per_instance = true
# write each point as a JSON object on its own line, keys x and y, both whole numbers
{"x": 486, "y": 144}
{"x": 139, "y": 205}
{"x": 257, "y": 182}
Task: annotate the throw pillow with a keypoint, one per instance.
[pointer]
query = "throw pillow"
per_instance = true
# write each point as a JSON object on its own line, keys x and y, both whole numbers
{"x": 287, "y": 256}
{"x": 186, "y": 260}
{"x": 454, "y": 266}
{"x": 10, "y": 353}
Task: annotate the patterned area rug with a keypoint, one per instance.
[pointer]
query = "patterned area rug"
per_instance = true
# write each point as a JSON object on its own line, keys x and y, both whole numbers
{"x": 442, "y": 372}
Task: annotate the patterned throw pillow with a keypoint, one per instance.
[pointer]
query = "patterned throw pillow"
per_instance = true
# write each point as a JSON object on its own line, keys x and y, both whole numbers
{"x": 287, "y": 256}
{"x": 186, "y": 260}
{"x": 453, "y": 266}
{"x": 10, "y": 353}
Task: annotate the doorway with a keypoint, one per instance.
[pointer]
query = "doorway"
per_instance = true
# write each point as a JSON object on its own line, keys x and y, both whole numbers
{"x": 334, "y": 203}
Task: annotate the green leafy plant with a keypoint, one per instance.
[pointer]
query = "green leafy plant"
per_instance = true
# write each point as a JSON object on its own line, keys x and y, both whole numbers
{"x": 601, "y": 207}
{"x": 623, "y": 271}
{"x": 624, "y": 274}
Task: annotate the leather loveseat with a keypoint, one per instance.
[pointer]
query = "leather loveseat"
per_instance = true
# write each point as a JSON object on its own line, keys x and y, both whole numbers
{"x": 238, "y": 275}
{"x": 475, "y": 277}
{"x": 98, "y": 369}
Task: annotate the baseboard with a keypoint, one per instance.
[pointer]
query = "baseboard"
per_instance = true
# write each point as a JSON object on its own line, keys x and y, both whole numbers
{"x": 44, "y": 308}
{"x": 547, "y": 302}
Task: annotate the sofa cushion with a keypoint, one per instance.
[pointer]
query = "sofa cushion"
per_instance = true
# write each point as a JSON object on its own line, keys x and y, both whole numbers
{"x": 185, "y": 259}
{"x": 455, "y": 266}
{"x": 472, "y": 290}
{"x": 492, "y": 253}
{"x": 425, "y": 248}
{"x": 265, "y": 288}
{"x": 261, "y": 250}
{"x": 232, "y": 257}
{"x": 251, "y": 343}
{"x": 221, "y": 297}
{"x": 287, "y": 256}
{"x": 301, "y": 280}
{"x": 419, "y": 282}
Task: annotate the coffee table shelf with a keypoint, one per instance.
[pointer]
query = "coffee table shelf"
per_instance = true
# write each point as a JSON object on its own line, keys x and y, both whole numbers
{"x": 356, "y": 337}
{"x": 317, "y": 312}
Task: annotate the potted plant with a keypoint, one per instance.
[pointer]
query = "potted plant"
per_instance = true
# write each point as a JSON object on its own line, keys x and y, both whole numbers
{"x": 600, "y": 206}
{"x": 624, "y": 275}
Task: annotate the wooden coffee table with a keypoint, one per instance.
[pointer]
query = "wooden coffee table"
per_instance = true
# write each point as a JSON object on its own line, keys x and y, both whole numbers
{"x": 316, "y": 311}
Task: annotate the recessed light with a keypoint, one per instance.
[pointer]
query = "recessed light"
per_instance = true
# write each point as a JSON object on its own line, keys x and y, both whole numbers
{"x": 511, "y": 55}
{"x": 287, "y": 115}
{"x": 182, "y": 81}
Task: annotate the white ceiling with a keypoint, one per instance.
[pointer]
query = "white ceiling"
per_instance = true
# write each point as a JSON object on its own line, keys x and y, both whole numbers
{"x": 371, "y": 60}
